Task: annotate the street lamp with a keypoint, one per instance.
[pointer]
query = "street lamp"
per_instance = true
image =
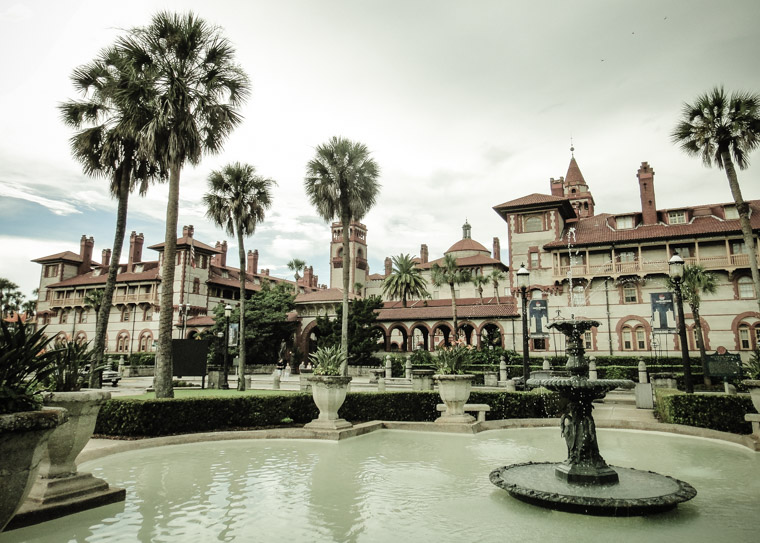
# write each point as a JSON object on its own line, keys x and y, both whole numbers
{"x": 675, "y": 270}
{"x": 523, "y": 280}
{"x": 227, "y": 313}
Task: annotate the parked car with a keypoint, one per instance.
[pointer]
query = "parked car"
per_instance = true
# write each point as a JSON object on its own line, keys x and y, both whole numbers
{"x": 110, "y": 376}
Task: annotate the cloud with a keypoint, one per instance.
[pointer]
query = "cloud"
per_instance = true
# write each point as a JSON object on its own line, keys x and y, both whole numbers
{"x": 58, "y": 207}
{"x": 16, "y": 13}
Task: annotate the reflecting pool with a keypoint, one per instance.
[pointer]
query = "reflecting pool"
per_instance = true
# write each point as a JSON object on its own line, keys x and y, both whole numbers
{"x": 399, "y": 486}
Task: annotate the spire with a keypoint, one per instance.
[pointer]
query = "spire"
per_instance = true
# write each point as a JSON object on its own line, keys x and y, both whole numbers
{"x": 574, "y": 175}
{"x": 466, "y": 230}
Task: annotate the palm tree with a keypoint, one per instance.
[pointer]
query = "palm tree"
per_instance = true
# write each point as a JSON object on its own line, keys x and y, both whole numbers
{"x": 108, "y": 121}
{"x": 296, "y": 265}
{"x": 342, "y": 183}
{"x": 496, "y": 276}
{"x": 450, "y": 274}
{"x": 195, "y": 87}
{"x": 725, "y": 130}
{"x": 9, "y": 296}
{"x": 405, "y": 280}
{"x": 236, "y": 201}
{"x": 94, "y": 299}
{"x": 696, "y": 282}
{"x": 480, "y": 280}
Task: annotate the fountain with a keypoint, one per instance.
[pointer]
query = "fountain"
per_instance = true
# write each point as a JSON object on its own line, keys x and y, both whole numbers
{"x": 584, "y": 482}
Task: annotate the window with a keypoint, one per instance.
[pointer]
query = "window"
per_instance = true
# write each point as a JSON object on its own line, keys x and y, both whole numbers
{"x": 744, "y": 342}
{"x": 746, "y": 287}
{"x": 738, "y": 248}
{"x": 587, "y": 341}
{"x": 627, "y": 256}
{"x": 683, "y": 252}
{"x": 146, "y": 341}
{"x": 534, "y": 260}
{"x": 627, "y": 339}
{"x": 539, "y": 344}
{"x": 533, "y": 223}
{"x": 63, "y": 317}
{"x": 579, "y": 296}
{"x": 125, "y": 314}
{"x": 196, "y": 286}
{"x": 677, "y": 217}
{"x": 225, "y": 274}
{"x": 630, "y": 295}
{"x": 624, "y": 222}
{"x": 122, "y": 342}
{"x": 731, "y": 212}
{"x": 83, "y": 316}
{"x": 81, "y": 338}
{"x": 148, "y": 314}
{"x": 51, "y": 270}
{"x": 641, "y": 343}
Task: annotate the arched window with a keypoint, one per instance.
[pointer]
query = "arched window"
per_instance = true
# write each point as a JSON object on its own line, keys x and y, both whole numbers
{"x": 81, "y": 338}
{"x": 627, "y": 335}
{"x": 534, "y": 223}
{"x": 633, "y": 337}
{"x": 746, "y": 287}
{"x": 148, "y": 313}
{"x": 196, "y": 286}
{"x": 122, "y": 342}
{"x": 145, "y": 342}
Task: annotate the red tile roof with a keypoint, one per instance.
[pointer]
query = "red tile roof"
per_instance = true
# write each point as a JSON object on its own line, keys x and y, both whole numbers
{"x": 323, "y": 295}
{"x": 467, "y": 244}
{"x": 65, "y": 255}
{"x": 466, "y": 262}
{"x": 533, "y": 199}
{"x": 376, "y": 277}
{"x": 186, "y": 241}
{"x": 149, "y": 274}
{"x": 467, "y": 308}
{"x": 574, "y": 175}
{"x": 201, "y": 320}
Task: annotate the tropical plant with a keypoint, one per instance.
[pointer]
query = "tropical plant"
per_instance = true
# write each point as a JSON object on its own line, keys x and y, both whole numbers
{"x": 11, "y": 298}
{"x": 194, "y": 88}
{"x": 68, "y": 363}
{"x": 342, "y": 183}
{"x": 94, "y": 298}
{"x": 454, "y": 358}
{"x": 236, "y": 201}
{"x": 366, "y": 337}
{"x": 752, "y": 367}
{"x": 421, "y": 357}
{"x": 480, "y": 280}
{"x": 406, "y": 280}
{"x": 725, "y": 129}
{"x": 108, "y": 121}
{"x": 327, "y": 360}
{"x": 450, "y": 274}
{"x": 496, "y": 276}
{"x": 296, "y": 265}
{"x": 695, "y": 282}
{"x": 24, "y": 364}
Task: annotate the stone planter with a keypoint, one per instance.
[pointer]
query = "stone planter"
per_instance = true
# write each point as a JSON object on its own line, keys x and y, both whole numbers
{"x": 454, "y": 391}
{"x": 329, "y": 393}
{"x": 23, "y": 438}
{"x": 490, "y": 379}
{"x": 754, "y": 391}
{"x": 422, "y": 379}
{"x": 60, "y": 489}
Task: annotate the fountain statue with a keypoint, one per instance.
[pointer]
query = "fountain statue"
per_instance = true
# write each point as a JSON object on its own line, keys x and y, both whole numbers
{"x": 584, "y": 482}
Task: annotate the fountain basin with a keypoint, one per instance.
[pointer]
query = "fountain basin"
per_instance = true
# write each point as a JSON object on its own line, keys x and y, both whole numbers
{"x": 637, "y": 492}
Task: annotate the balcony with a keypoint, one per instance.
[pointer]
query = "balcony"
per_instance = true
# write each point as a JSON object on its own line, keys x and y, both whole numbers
{"x": 133, "y": 298}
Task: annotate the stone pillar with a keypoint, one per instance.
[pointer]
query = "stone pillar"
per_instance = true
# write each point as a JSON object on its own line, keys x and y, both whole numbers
{"x": 422, "y": 379}
{"x": 380, "y": 383}
{"x": 643, "y": 391}
{"x": 388, "y": 367}
{"x": 304, "y": 384}
{"x": 408, "y": 369}
{"x": 643, "y": 377}
{"x": 275, "y": 381}
{"x": 592, "y": 373}
{"x": 502, "y": 369}
{"x": 511, "y": 385}
{"x": 547, "y": 365}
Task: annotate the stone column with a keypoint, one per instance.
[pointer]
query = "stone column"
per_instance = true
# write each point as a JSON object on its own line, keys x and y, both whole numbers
{"x": 388, "y": 367}
{"x": 380, "y": 383}
{"x": 592, "y": 373}
{"x": 643, "y": 391}
{"x": 643, "y": 377}
{"x": 502, "y": 370}
{"x": 408, "y": 369}
{"x": 547, "y": 365}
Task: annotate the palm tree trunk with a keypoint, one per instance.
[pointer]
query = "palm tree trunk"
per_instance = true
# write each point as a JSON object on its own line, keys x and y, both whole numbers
{"x": 346, "y": 220}
{"x": 700, "y": 342}
{"x": 163, "y": 379}
{"x": 496, "y": 291}
{"x": 104, "y": 311}
{"x": 743, "y": 208}
{"x": 241, "y": 336}
{"x": 454, "y": 311}
{"x": 480, "y": 293}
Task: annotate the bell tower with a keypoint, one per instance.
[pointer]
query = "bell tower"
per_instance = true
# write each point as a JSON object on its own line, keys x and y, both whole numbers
{"x": 357, "y": 247}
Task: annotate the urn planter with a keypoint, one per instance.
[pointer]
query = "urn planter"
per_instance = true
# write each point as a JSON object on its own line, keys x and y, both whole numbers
{"x": 455, "y": 391}
{"x": 59, "y": 489}
{"x": 23, "y": 438}
{"x": 754, "y": 391}
{"x": 329, "y": 393}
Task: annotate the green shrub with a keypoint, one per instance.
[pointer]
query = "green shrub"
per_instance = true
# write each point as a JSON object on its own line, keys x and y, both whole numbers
{"x": 130, "y": 417}
{"x": 142, "y": 359}
{"x": 721, "y": 412}
{"x": 421, "y": 357}
{"x": 398, "y": 365}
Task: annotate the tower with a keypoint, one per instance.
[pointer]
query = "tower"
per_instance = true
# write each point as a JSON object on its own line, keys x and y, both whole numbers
{"x": 357, "y": 247}
{"x": 576, "y": 189}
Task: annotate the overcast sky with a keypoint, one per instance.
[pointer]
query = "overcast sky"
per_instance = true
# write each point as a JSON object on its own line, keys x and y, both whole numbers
{"x": 464, "y": 105}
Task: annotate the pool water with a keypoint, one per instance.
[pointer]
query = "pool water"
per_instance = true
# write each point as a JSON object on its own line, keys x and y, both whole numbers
{"x": 399, "y": 486}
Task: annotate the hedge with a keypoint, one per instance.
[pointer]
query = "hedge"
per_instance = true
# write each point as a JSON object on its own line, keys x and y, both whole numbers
{"x": 150, "y": 418}
{"x": 723, "y": 412}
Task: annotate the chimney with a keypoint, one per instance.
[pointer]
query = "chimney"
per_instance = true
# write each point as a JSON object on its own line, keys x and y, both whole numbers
{"x": 190, "y": 231}
{"x": 265, "y": 272}
{"x": 106, "y": 258}
{"x": 424, "y": 253}
{"x": 557, "y": 186}
{"x": 135, "y": 250}
{"x": 496, "y": 249}
{"x": 184, "y": 231}
{"x": 312, "y": 278}
{"x": 223, "y": 255}
{"x": 252, "y": 261}
{"x": 388, "y": 266}
{"x": 85, "y": 251}
{"x": 646, "y": 189}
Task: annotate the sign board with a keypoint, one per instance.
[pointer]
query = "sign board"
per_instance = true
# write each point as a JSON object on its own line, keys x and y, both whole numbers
{"x": 663, "y": 313}
{"x": 538, "y": 315}
{"x": 724, "y": 365}
{"x": 189, "y": 357}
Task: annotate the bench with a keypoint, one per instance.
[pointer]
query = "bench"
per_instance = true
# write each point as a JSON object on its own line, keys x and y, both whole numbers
{"x": 480, "y": 408}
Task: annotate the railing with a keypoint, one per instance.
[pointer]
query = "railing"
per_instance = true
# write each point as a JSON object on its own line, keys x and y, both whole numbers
{"x": 134, "y": 298}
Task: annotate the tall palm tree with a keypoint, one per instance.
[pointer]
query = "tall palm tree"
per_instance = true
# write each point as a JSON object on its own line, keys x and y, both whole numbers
{"x": 405, "y": 280}
{"x": 697, "y": 281}
{"x": 342, "y": 183}
{"x": 236, "y": 201}
{"x": 107, "y": 123}
{"x": 480, "y": 280}
{"x": 94, "y": 299}
{"x": 196, "y": 89}
{"x": 725, "y": 129}
{"x": 496, "y": 276}
{"x": 296, "y": 265}
{"x": 450, "y": 274}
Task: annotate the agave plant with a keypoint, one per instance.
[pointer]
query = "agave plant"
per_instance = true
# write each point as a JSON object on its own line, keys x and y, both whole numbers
{"x": 327, "y": 360}
{"x": 24, "y": 364}
{"x": 453, "y": 359}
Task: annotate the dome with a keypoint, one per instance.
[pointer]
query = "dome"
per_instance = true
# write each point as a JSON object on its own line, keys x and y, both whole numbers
{"x": 467, "y": 245}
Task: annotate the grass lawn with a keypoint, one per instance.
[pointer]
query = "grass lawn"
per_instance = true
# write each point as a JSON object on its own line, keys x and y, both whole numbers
{"x": 210, "y": 392}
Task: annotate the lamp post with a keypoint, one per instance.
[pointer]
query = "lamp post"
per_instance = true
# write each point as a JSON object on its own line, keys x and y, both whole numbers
{"x": 227, "y": 313}
{"x": 183, "y": 308}
{"x": 523, "y": 280}
{"x": 675, "y": 270}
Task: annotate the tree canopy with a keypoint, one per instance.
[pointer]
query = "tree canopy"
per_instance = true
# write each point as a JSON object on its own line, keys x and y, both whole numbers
{"x": 364, "y": 334}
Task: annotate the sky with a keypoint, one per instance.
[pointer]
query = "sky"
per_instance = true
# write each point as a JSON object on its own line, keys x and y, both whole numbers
{"x": 463, "y": 104}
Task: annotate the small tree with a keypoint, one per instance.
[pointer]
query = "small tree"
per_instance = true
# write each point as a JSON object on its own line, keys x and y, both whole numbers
{"x": 405, "y": 280}
{"x": 364, "y": 334}
{"x": 451, "y": 274}
{"x": 496, "y": 276}
{"x": 296, "y": 265}
{"x": 480, "y": 280}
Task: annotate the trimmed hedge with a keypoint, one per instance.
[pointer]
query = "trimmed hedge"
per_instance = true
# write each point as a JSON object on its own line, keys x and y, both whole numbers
{"x": 150, "y": 418}
{"x": 721, "y": 412}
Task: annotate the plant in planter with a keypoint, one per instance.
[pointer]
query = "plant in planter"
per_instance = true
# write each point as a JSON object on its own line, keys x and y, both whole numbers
{"x": 59, "y": 489}
{"x": 24, "y": 426}
{"x": 753, "y": 383}
{"x": 328, "y": 388}
{"x": 454, "y": 385}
